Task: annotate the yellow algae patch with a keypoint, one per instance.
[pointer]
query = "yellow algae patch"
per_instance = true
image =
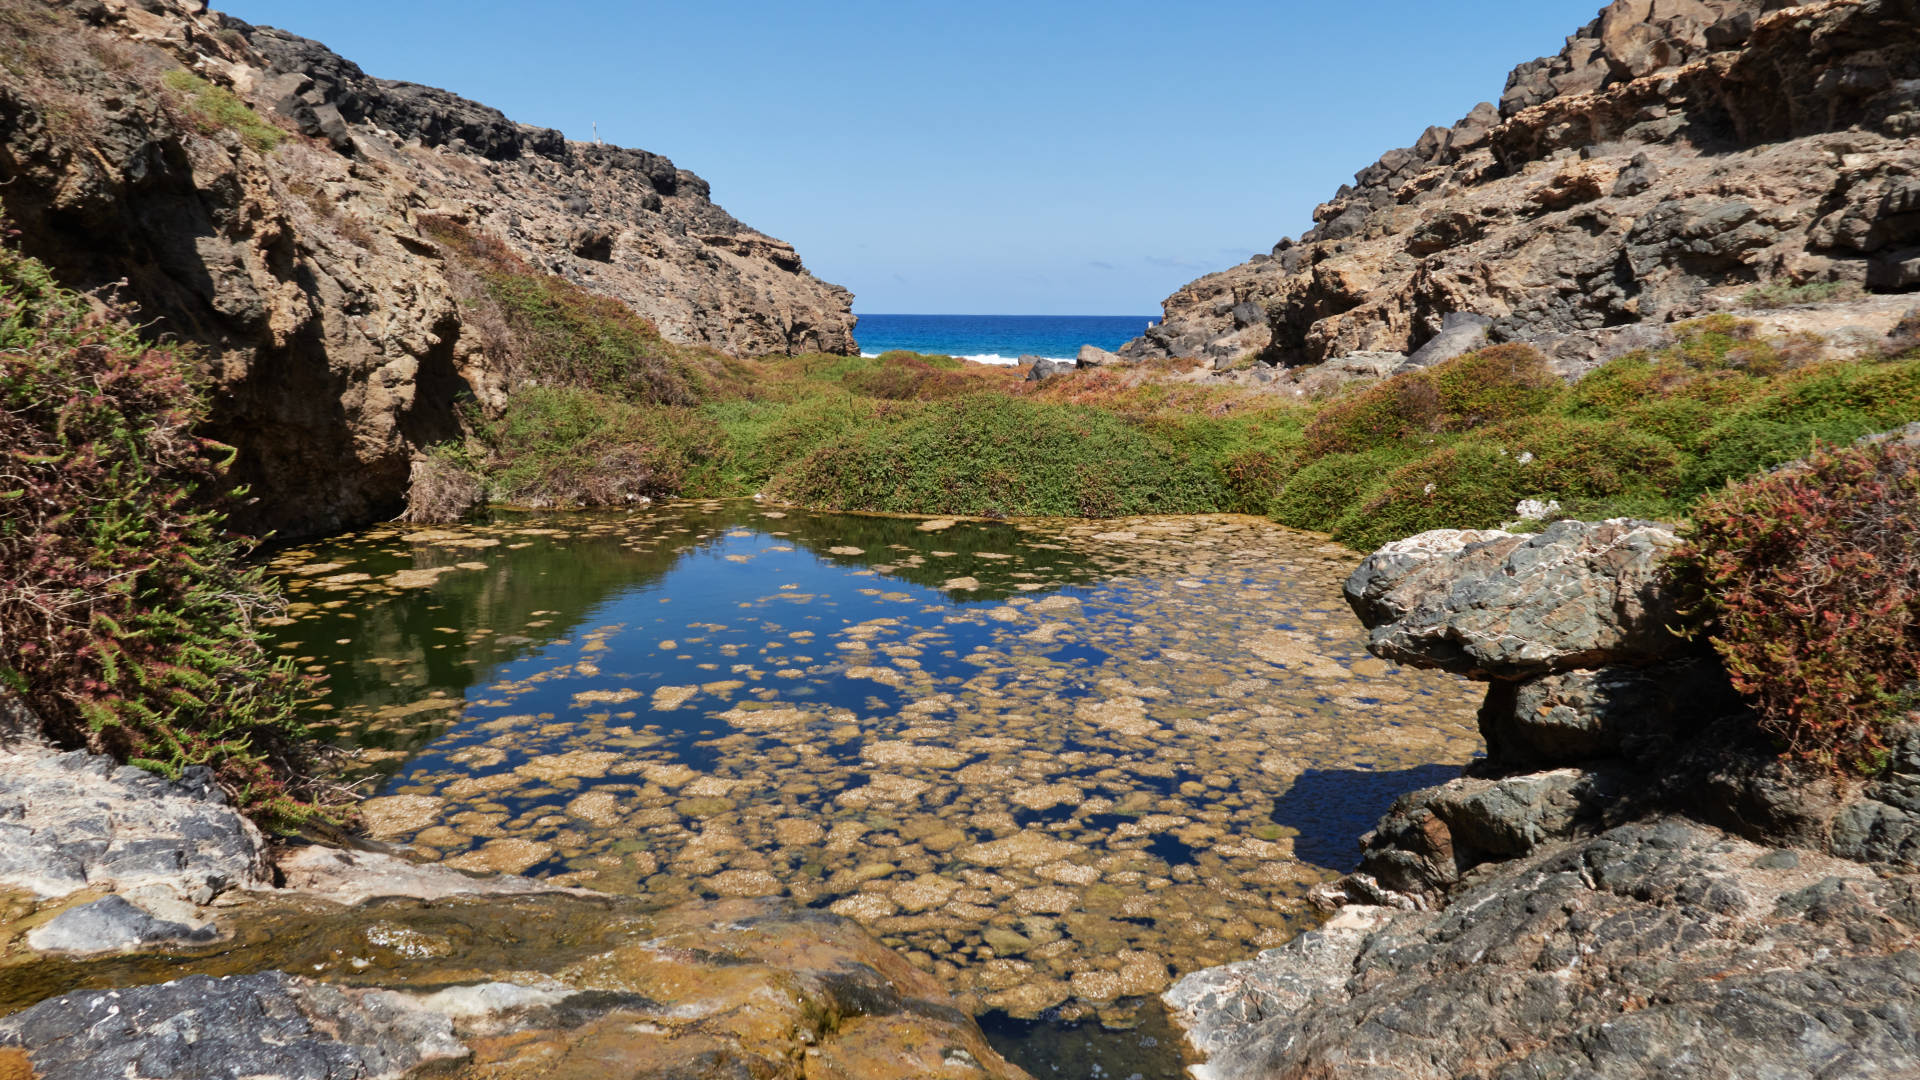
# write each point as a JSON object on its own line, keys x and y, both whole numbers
{"x": 864, "y": 907}
{"x": 887, "y": 675}
{"x": 793, "y": 832}
{"x": 768, "y": 719}
{"x": 845, "y": 550}
{"x": 1046, "y": 632}
{"x": 899, "y": 752}
{"x": 412, "y": 708}
{"x": 884, "y": 788}
{"x": 722, "y": 688}
{"x": 608, "y": 697}
{"x": 346, "y": 579}
{"x": 571, "y": 764}
{"x": 666, "y": 698}
{"x": 964, "y": 584}
{"x": 937, "y": 525}
{"x": 1056, "y": 602}
{"x": 1048, "y": 796}
{"x": 1294, "y": 651}
{"x": 601, "y": 808}
{"x": 468, "y": 786}
{"x": 1026, "y": 849}
{"x": 311, "y": 569}
{"x": 1127, "y": 716}
{"x": 745, "y": 883}
{"x": 397, "y": 815}
{"x": 709, "y": 787}
{"x": 668, "y": 776}
{"x": 417, "y": 579}
{"x": 508, "y": 855}
{"x": 1370, "y": 669}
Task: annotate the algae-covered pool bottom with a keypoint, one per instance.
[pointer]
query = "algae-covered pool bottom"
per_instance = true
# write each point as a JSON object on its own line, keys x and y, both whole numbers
{"x": 1057, "y": 764}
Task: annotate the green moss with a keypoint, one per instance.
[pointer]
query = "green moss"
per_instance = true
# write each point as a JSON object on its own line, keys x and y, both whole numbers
{"x": 215, "y": 108}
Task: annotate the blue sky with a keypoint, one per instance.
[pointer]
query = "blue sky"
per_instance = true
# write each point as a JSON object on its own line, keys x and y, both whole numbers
{"x": 1037, "y": 157}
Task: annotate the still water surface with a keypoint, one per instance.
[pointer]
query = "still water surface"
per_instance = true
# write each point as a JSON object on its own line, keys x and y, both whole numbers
{"x": 1057, "y": 764}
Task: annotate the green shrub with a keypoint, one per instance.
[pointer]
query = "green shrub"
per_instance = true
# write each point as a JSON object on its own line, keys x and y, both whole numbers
{"x": 761, "y": 437}
{"x": 1487, "y": 387}
{"x": 1403, "y": 409}
{"x": 1492, "y": 386}
{"x": 1470, "y": 486}
{"x": 1320, "y": 493}
{"x": 991, "y": 454}
{"x": 567, "y": 447}
{"x": 1775, "y": 294}
{"x": 1808, "y": 582}
{"x": 127, "y": 616}
{"x": 215, "y": 108}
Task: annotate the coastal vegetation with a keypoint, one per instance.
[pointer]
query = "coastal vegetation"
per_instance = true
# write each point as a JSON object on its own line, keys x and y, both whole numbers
{"x": 1809, "y": 579}
{"x": 128, "y": 613}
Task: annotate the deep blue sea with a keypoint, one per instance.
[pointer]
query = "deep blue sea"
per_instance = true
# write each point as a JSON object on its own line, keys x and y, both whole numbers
{"x": 997, "y": 339}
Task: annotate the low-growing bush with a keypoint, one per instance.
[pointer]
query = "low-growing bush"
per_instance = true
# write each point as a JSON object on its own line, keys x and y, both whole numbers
{"x": 215, "y": 108}
{"x": 1491, "y": 386}
{"x": 1321, "y": 492}
{"x": 567, "y": 447}
{"x": 1470, "y": 486}
{"x": 991, "y": 454}
{"x": 1775, "y": 294}
{"x": 127, "y": 614}
{"x": 1807, "y": 581}
{"x": 445, "y": 485}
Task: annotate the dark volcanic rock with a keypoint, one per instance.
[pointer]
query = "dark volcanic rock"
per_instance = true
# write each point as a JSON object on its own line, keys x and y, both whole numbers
{"x": 1654, "y": 950}
{"x": 1575, "y": 716}
{"x": 246, "y": 1027}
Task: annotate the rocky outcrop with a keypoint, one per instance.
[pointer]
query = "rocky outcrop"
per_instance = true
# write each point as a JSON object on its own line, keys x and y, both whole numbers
{"x": 1652, "y": 950}
{"x": 289, "y": 243}
{"x": 1631, "y": 884}
{"x": 1674, "y": 152}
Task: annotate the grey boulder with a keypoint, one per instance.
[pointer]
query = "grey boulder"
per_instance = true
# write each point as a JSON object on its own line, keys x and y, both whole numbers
{"x": 1499, "y": 606}
{"x": 111, "y": 924}
{"x": 269, "y": 1026}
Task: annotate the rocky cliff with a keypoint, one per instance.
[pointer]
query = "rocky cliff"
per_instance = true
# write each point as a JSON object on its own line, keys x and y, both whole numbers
{"x": 1672, "y": 155}
{"x": 263, "y": 198}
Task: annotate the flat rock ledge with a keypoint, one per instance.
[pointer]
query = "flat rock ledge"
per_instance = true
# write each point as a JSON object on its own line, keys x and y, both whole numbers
{"x": 106, "y": 870}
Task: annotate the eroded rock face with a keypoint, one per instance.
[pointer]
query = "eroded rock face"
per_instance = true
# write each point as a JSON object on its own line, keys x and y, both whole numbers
{"x": 1656, "y": 949}
{"x": 1671, "y": 149}
{"x": 1496, "y": 605}
{"x": 325, "y": 310}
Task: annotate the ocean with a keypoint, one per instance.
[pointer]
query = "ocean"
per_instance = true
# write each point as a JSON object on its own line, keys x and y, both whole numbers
{"x": 997, "y": 339}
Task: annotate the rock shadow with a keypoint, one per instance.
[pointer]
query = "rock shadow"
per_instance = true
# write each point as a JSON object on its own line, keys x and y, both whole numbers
{"x": 1331, "y": 808}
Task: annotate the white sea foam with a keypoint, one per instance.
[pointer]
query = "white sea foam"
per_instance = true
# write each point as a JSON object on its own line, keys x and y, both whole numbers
{"x": 986, "y": 358}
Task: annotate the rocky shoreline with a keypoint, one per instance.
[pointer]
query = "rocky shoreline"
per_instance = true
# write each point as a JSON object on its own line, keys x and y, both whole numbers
{"x": 150, "y": 931}
{"x": 1628, "y": 885}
